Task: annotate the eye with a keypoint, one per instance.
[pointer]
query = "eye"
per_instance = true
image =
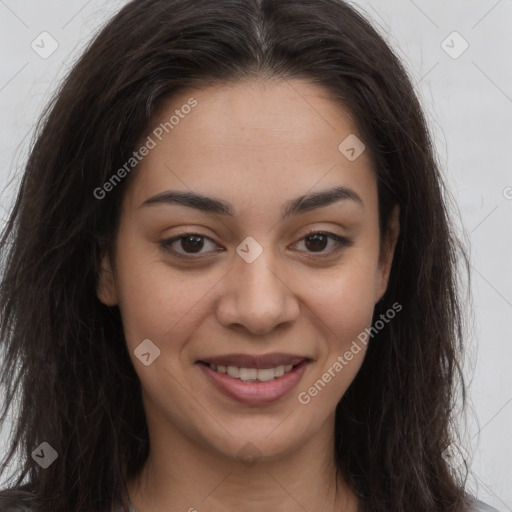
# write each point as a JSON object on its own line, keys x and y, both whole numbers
{"x": 317, "y": 241}
{"x": 188, "y": 243}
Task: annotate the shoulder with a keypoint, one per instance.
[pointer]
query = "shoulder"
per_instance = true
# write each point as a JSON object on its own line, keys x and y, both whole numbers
{"x": 480, "y": 506}
{"x": 19, "y": 499}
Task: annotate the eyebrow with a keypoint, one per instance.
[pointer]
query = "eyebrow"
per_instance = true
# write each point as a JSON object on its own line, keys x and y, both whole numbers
{"x": 292, "y": 207}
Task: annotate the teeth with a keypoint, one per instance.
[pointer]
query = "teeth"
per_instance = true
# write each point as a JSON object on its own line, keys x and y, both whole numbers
{"x": 248, "y": 374}
{"x": 279, "y": 371}
{"x": 266, "y": 374}
{"x": 234, "y": 372}
{"x": 252, "y": 374}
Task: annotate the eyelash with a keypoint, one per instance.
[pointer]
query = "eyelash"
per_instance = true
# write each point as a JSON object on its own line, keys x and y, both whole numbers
{"x": 341, "y": 243}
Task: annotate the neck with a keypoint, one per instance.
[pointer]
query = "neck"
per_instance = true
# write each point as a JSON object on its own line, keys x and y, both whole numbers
{"x": 182, "y": 474}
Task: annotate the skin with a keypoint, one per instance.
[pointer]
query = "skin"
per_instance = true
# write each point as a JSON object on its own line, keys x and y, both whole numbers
{"x": 255, "y": 145}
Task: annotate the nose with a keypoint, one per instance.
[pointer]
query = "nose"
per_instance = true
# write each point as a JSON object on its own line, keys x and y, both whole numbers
{"x": 257, "y": 296}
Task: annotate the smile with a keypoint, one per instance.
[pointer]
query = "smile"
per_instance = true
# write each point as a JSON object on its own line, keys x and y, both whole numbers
{"x": 254, "y": 382}
{"x": 253, "y": 374}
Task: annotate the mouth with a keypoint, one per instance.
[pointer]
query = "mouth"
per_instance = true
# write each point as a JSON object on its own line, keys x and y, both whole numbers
{"x": 253, "y": 374}
{"x": 252, "y": 368}
{"x": 254, "y": 379}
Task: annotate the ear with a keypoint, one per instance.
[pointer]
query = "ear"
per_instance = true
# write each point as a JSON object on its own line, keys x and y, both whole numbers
{"x": 387, "y": 251}
{"x": 106, "y": 287}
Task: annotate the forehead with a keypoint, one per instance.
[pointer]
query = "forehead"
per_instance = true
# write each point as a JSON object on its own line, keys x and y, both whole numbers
{"x": 273, "y": 138}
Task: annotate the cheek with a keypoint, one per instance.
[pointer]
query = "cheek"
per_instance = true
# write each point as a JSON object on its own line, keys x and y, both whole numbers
{"x": 346, "y": 312}
{"x": 343, "y": 311}
{"x": 157, "y": 301}
{"x": 342, "y": 305}
{"x": 145, "y": 295}
{"x": 345, "y": 296}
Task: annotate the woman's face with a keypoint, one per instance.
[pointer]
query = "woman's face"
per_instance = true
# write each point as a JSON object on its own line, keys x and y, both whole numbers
{"x": 252, "y": 291}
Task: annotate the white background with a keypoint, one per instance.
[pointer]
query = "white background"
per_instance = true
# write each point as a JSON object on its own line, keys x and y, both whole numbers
{"x": 468, "y": 100}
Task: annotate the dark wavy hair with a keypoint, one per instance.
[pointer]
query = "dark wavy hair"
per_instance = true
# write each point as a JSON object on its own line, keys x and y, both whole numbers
{"x": 65, "y": 352}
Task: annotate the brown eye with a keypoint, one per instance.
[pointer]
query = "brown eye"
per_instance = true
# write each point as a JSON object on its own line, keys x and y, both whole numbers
{"x": 192, "y": 243}
{"x": 187, "y": 243}
{"x": 318, "y": 241}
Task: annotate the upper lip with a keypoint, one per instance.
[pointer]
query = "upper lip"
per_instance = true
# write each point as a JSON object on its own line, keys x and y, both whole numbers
{"x": 255, "y": 361}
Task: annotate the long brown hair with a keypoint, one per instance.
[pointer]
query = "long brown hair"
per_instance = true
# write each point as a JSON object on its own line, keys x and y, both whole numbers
{"x": 64, "y": 352}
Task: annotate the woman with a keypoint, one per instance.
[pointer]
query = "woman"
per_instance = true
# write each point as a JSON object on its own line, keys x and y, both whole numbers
{"x": 230, "y": 276}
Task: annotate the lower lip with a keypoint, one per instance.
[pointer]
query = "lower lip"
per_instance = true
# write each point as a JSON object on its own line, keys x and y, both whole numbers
{"x": 255, "y": 392}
